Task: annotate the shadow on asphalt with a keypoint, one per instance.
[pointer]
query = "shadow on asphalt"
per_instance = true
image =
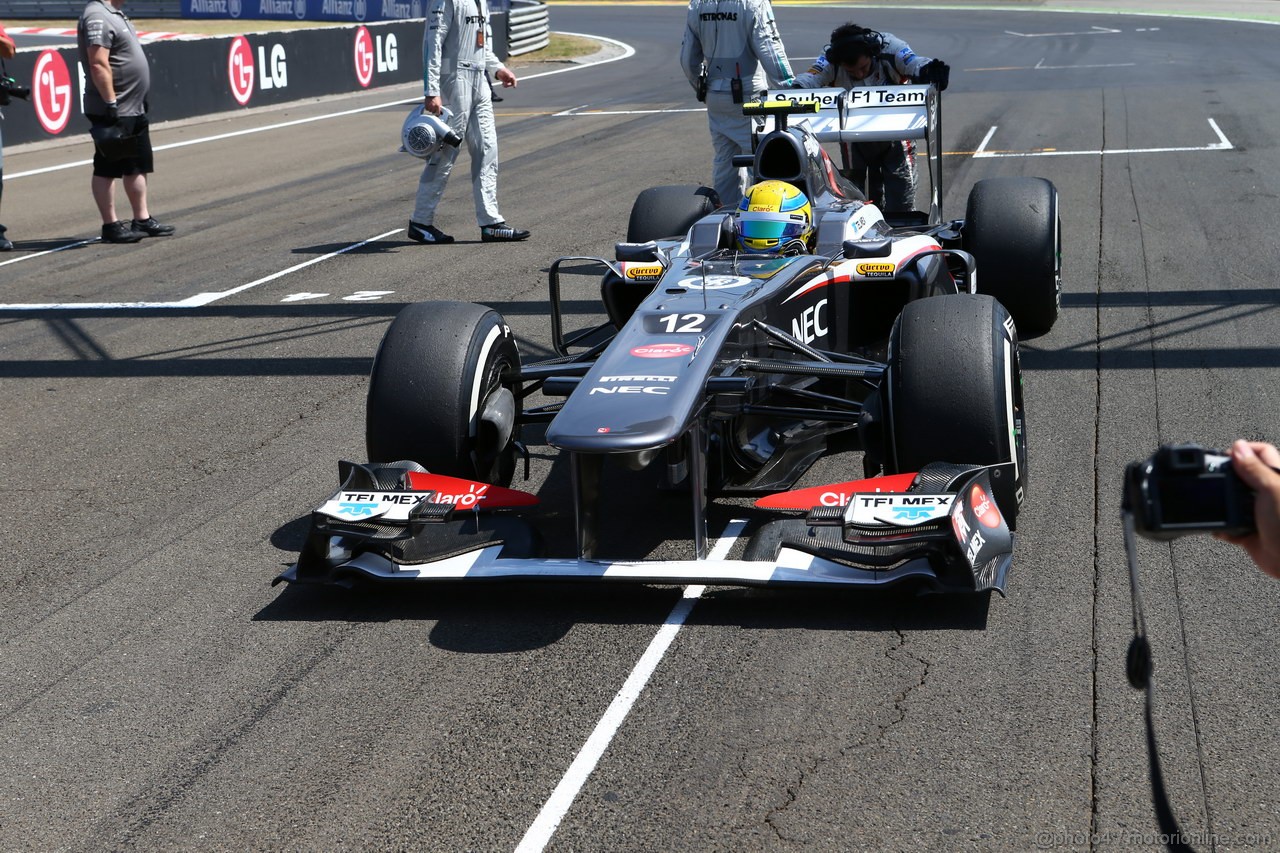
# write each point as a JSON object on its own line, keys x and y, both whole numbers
{"x": 500, "y": 618}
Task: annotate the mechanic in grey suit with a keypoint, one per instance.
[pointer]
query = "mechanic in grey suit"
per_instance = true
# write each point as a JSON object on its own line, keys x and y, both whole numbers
{"x": 731, "y": 51}
{"x": 858, "y": 56}
{"x": 456, "y": 56}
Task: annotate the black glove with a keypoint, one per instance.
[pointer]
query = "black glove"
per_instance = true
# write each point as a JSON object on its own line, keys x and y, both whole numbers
{"x": 113, "y": 113}
{"x": 936, "y": 72}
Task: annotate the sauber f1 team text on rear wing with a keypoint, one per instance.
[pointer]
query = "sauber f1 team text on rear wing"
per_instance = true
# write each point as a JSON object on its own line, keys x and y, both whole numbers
{"x": 867, "y": 114}
{"x": 942, "y": 526}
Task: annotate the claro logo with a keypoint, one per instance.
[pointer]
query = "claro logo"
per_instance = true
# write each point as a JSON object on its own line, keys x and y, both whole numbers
{"x": 661, "y": 350}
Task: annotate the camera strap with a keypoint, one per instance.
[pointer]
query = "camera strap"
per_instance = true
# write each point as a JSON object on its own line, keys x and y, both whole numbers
{"x": 1138, "y": 668}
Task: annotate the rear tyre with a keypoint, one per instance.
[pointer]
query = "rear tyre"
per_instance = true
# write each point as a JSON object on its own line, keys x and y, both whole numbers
{"x": 1012, "y": 227}
{"x": 436, "y": 394}
{"x": 953, "y": 388}
{"x": 662, "y": 212}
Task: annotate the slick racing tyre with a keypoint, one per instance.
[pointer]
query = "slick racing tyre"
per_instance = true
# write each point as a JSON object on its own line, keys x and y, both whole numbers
{"x": 953, "y": 389}
{"x": 662, "y": 212}
{"x": 436, "y": 395}
{"x": 1013, "y": 229}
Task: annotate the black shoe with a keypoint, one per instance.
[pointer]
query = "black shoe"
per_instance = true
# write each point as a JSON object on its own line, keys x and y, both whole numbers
{"x": 5, "y": 245}
{"x": 150, "y": 228}
{"x": 502, "y": 233}
{"x": 120, "y": 232}
{"x": 427, "y": 233}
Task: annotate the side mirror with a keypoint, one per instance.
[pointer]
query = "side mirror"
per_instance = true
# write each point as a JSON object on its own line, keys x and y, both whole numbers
{"x": 880, "y": 248}
{"x": 642, "y": 252}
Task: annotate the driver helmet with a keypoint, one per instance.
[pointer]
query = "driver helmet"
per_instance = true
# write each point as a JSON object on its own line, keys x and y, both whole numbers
{"x": 776, "y": 218}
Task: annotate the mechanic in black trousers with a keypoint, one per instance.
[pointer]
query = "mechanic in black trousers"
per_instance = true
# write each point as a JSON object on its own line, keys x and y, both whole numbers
{"x": 117, "y": 81}
{"x": 858, "y": 56}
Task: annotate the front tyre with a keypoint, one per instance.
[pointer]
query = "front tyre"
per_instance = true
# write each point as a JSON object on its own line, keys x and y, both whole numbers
{"x": 1013, "y": 228}
{"x": 953, "y": 389}
{"x": 661, "y": 213}
{"x": 436, "y": 394}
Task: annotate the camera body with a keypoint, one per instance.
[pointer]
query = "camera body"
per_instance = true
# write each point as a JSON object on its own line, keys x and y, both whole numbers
{"x": 1184, "y": 489}
{"x": 9, "y": 89}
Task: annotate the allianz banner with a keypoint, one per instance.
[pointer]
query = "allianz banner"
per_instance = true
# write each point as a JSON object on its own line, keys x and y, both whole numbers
{"x": 219, "y": 74}
{"x": 353, "y": 11}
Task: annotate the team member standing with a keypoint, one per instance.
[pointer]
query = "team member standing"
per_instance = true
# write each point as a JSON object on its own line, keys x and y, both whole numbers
{"x": 115, "y": 94}
{"x": 731, "y": 51}
{"x": 456, "y": 55}
{"x": 858, "y": 56}
{"x": 7, "y": 50}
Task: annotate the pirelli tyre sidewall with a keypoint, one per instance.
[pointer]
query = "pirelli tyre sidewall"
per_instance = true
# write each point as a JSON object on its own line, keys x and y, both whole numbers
{"x": 1013, "y": 228}
{"x": 660, "y": 213}
{"x": 953, "y": 388}
{"x": 436, "y": 366}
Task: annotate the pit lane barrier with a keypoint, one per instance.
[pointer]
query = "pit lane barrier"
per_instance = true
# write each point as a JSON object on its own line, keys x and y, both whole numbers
{"x": 204, "y": 75}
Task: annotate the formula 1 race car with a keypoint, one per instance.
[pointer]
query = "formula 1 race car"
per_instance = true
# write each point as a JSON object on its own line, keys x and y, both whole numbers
{"x": 719, "y": 372}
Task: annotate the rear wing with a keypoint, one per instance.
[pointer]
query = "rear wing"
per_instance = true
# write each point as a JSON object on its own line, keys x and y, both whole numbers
{"x": 873, "y": 114}
{"x": 866, "y": 113}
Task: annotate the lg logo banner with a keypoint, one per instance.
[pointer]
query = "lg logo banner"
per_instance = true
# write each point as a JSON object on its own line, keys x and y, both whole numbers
{"x": 242, "y": 70}
{"x": 51, "y": 92}
{"x": 372, "y": 54}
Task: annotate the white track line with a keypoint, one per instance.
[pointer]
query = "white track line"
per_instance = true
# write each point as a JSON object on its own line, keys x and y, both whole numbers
{"x": 627, "y": 52}
{"x": 584, "y": 111}
{"x": 197, "y": 301}
{"x": 544, "y": 826}
{"x": 21, "y": 258}
{"x": 205, "y": 299}
{"x": 1223, "y": 144}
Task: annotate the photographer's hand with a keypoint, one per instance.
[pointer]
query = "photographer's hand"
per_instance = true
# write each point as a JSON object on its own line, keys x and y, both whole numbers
{"x": 1254, "y": 463}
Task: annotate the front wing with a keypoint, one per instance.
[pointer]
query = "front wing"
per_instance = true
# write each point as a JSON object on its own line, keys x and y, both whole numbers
{"x": 944, "y": 530}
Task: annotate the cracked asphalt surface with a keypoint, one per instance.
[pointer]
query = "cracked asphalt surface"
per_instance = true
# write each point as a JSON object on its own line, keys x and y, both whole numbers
{"x": 158, "y": 694}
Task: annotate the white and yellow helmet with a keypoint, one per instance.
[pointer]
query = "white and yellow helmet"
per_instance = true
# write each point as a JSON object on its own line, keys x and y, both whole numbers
{"x": 774, "y": 217}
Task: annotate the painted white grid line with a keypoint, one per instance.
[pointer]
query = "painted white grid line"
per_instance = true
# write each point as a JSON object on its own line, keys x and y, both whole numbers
{"x": 548, "y": 819}
{"x": 1223, "y": 144}
{"x": 197, "y": 301}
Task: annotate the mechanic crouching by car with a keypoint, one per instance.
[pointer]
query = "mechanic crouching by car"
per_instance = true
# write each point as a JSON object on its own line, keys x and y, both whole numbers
{"x": 731, "y": 50}
{"x": 858, "y": 56}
